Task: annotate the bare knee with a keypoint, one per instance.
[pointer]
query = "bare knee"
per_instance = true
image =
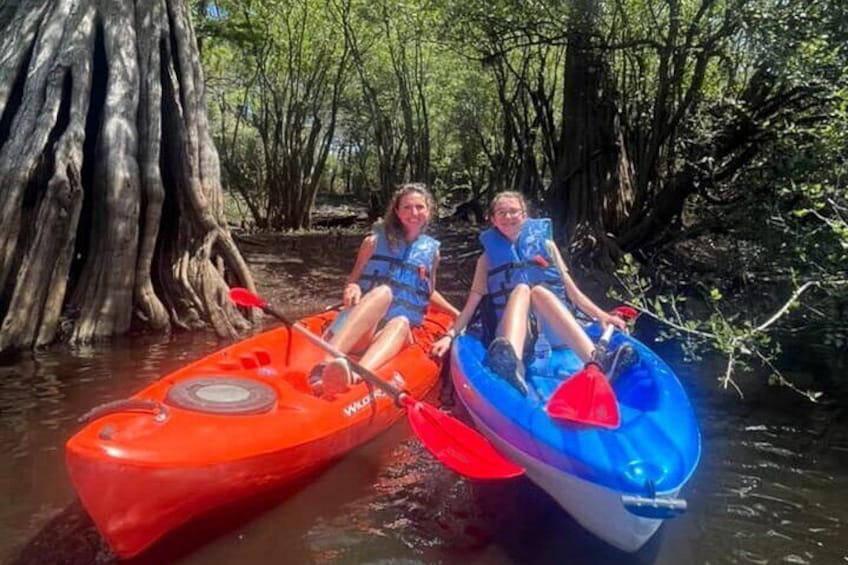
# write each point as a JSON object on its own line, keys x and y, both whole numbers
{"x": 541, "y": 295}
{"x": 521, "y": 291}
{"x": 398, "y": 323}
{"x": 382, "y": 293}
{"x": 396, "y": 331}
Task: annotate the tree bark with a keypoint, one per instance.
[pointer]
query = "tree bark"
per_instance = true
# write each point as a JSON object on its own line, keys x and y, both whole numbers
{"x": 592, "y": 187}
{"x": 112, "y": 207}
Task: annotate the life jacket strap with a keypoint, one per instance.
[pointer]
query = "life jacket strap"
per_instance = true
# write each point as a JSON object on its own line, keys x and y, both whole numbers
{"x": 394, "y": 261}
{"x": 381, "y": 279}
{"x": 409, "y": 305}
{"x": 511, "y": 266}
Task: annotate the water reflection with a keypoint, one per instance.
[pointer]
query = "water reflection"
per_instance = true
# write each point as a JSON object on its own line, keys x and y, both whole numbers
{"x": 41, "y": 396}
{"x": 778, "y": 491}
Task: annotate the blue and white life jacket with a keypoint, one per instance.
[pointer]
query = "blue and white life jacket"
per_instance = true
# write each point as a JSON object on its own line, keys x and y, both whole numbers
{"x": 525, "y": 261}
{"x": 406, "y": 269}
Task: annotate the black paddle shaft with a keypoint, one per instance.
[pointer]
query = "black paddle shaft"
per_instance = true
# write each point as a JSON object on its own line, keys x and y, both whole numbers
{"x": 364, "y": 372}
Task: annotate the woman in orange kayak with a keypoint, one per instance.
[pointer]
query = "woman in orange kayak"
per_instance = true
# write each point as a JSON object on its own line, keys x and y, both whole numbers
{"x": 521, "y": 268}
{"x": 387, "y": 292}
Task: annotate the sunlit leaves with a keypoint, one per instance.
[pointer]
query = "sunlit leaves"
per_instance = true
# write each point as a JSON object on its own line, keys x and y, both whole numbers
{"x": 273, "y": 72}
{"x": 743, "y": 342}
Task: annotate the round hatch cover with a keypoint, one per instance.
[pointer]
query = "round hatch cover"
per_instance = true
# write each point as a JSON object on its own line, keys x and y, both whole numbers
{"x": 222, "y": 395}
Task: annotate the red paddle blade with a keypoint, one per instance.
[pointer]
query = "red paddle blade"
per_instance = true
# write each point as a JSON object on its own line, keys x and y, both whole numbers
{"x": 244, "y": 297}
{"x": 586, "y": 398}
{"x": 456, "y": 445}
{"x": 627, "y": 313}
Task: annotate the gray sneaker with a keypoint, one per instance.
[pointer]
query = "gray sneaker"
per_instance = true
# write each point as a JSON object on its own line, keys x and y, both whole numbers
{"x": 503, "y": 361}
{"x": 618, "y": 361}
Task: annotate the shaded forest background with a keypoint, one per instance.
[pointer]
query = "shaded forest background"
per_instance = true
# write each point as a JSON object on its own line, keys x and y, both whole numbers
{"x": 692, "y": 147}
{"x": 699, "y": 143}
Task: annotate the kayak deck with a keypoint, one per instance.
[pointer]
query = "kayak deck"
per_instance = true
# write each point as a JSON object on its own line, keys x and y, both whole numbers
{"x": 143, "y": 472}
{"x": 656, "y": 448}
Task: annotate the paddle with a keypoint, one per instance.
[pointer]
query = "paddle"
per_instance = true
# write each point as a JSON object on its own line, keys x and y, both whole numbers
{"x": 453, "y": 443}
{"x": 587, "y": 397}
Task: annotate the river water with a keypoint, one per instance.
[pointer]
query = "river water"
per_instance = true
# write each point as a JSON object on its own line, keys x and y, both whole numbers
{"x": 772, "y": 486}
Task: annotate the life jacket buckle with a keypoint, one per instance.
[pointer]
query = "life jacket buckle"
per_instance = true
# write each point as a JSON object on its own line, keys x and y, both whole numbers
{"x": 541, "y": 261}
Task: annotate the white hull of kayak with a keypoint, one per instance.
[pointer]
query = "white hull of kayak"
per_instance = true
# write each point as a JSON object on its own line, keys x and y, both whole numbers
{"x": 599, "y": 510}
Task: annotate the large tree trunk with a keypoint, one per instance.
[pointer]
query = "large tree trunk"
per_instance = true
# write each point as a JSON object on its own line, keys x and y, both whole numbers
{"x": 111, "y": 205}
{"x": 592, "y": 183}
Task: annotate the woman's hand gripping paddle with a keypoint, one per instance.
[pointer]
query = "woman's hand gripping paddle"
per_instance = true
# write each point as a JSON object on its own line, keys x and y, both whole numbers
{"x": 453, "y": 443}
{"x": 587, "y": 398}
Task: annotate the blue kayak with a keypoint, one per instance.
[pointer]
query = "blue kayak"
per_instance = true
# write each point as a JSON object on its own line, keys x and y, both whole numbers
{"x": 620, "y": 484}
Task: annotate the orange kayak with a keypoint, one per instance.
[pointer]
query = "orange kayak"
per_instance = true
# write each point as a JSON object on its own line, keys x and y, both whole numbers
{"x": 233, "y": 425}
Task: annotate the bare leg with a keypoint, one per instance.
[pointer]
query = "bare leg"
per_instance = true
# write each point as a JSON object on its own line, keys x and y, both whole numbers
{"x": 391, "y": 339}
{"x": 513, "y": 324}
{"x": 504, "y": 354}
{"x": 388, "y": 341}
{"x": 556, "y": 316}
{"x": 362, "y": 322}
{"x": 334, "y": 374}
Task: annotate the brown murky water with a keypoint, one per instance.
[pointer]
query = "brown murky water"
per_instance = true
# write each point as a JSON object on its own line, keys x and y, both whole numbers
{"x": 772, "y": 486}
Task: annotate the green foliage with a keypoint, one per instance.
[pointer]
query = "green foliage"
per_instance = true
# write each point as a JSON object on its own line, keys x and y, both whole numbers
{"x": 274, "y": 72}
{"x": 814, "y": 189}
{"x": 484, "y": 72}
{"x": 743, "y": 342}
{"x": 730, "y": 116}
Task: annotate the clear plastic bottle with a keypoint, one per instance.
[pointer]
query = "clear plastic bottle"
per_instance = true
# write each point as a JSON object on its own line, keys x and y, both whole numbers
{"x": 542, "y": 347}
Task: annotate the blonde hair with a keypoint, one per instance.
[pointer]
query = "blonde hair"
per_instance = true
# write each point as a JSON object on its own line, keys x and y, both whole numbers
{"x": 392, "y": 224}
{"x": 507, "y": 194}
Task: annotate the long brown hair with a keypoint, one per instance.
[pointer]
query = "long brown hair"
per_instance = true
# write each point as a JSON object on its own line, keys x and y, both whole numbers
{"x": 392, "y": 224}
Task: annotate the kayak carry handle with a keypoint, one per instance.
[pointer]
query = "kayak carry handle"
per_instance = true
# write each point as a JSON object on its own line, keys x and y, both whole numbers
{"x": 126, "y": 405}
{"x": 659, "y": 508}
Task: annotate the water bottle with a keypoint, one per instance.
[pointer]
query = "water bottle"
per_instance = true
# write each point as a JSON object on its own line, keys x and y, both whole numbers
{"x": 542, "y": 348}
{"x": 541, "y": 355}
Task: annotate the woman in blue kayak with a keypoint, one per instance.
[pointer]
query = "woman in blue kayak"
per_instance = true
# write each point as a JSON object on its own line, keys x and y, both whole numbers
{"x": 387, "y": 292}
{"x": 521, "y": 270}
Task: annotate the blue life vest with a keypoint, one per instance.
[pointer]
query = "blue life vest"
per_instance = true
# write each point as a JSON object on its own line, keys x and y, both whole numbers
{"x": 406, "y": 269}
{"x": 525, "y": 261}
